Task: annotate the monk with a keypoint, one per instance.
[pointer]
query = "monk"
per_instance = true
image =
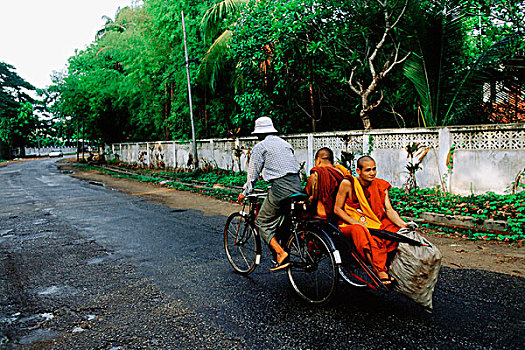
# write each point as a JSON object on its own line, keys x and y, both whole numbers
{"x": 363, "y": 203}
{"x": 323, "y": 183}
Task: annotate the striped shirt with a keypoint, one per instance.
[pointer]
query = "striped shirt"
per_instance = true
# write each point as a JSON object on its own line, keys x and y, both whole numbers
{"x": 274, "y": 157}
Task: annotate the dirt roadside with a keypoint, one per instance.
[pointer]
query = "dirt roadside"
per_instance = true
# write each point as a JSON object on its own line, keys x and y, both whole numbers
{"x": 457, "y": 253}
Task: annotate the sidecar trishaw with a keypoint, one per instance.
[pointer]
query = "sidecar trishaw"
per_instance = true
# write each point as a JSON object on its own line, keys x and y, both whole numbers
{"x": 320, "y": 255}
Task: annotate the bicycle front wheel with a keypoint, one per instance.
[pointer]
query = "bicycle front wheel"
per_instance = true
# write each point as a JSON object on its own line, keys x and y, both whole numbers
{"x": 241, "y": 244}
{"x": 312, "y": 272}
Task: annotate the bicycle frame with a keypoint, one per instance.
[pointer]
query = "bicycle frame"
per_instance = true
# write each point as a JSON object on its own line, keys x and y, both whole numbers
{"x": 250, "y": 217}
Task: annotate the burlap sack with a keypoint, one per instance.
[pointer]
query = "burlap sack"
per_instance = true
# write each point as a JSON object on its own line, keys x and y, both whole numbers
{"x": 416, "y": 270}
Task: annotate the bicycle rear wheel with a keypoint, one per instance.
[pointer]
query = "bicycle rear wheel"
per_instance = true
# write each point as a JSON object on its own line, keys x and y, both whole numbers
{"x": 312, "y": 272}
{"x": 241, "y": 244}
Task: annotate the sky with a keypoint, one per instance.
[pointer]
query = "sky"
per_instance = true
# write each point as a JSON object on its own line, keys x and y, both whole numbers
{"x": 38, "y": 36}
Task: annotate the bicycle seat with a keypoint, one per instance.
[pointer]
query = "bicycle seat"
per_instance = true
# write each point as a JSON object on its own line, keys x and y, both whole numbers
{"x": 297, "y": 197}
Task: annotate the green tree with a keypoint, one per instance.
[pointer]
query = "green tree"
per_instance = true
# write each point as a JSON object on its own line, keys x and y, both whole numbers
{"x": 366, "y": 36}
{"x": 460, "y": 47}
{"x": 97, "y": 92}
{"x": 17, "y": 120}
{"x": 298, "y": 52}
{"x": 311, "y": 65}
{"x": 216, "y": 24}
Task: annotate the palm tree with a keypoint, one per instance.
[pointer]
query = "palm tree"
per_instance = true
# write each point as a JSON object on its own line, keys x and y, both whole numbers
{"x": 111, "y": 25}
{"x": 212, "y": 22}
{"x": 448, "y": 82}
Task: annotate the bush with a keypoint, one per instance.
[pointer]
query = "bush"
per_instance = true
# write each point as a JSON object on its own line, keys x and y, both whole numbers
{"x": 509, "y": 208}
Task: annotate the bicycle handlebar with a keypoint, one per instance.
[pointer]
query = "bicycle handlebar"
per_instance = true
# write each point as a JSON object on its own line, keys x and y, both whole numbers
{"x": 256, "y": 195}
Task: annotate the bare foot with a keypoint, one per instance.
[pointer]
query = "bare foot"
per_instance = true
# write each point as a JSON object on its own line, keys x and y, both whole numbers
{"x": 385, "y": 278}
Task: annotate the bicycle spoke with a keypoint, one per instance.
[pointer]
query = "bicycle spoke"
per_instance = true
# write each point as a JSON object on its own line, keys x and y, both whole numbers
{"x": 243, "y": 256}
{"x": 242, "y": 253}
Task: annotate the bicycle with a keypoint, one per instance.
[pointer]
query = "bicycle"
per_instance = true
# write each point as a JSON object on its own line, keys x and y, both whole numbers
{"x": 313, "y": 256}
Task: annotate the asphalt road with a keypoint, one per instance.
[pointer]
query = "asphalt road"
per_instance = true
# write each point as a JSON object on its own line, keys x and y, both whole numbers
{"x": 180, "y": 254}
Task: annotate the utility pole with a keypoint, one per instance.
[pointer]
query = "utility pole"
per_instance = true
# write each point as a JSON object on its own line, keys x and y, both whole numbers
{"x": 196, "y": 158}
{"x": 78, "y": 137}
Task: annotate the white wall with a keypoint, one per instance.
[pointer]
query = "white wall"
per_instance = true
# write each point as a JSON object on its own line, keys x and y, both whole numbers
{"x": 485, "y": 158}
{"x": 44, "y": 151}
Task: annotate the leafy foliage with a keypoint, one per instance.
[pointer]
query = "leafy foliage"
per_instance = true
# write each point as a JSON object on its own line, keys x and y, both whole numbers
{"x": 510, "y": 208}
{"x": 459, "y": 48}
{"x": 17, "y": 120}
{"x": 299, "y": 61}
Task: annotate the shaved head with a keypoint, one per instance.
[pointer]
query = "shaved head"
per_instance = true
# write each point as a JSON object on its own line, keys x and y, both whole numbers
{"x": 361, "y": 160}
{"x": 325, "y": 153}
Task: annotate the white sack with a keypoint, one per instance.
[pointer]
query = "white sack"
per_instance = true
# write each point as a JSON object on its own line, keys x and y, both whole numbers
{"x": 416, "y": 270}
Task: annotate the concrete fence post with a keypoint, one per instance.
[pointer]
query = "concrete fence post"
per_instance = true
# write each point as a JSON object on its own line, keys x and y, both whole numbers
{"x": 366, "y": 147}
{"x": 212, "y": 150}
{"x": 174, "y": 154}
{"x": 310, "y": 155}
{"x": 444, "y": 145}
{"x": 148, "y": 154}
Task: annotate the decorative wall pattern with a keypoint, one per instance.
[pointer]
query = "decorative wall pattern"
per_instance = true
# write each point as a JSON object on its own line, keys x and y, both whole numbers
{"x": 400, "y": 141}
{"x": 336, "y": 142}
{"x": 486, "y": 140}
{"x": 300, "y": 142}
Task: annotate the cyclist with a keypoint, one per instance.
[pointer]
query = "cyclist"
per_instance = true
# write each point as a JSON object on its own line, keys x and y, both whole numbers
{"x": 275, "y": 159}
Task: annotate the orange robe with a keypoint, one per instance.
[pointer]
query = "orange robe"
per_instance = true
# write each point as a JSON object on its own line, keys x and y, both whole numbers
{"x": 363, "y": 240}
{"x": 328, "y": 181}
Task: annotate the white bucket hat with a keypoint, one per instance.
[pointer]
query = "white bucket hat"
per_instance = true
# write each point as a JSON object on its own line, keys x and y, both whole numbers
{"x": 264, "y": 125}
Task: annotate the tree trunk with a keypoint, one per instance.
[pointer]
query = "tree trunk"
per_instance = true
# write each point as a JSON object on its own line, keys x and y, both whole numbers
{"x": 312, "y": 105}
{"x": 366, "y": 120}
{"x": 78, "y": 137}
{"x": 166, "y": 113}
{"x": 312, "y": 99}
{"x": 206, "y": 112}
{"x": 83, "y": 137}
{"x": 3, "y": 151}
{"x": 172, "y": 93}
